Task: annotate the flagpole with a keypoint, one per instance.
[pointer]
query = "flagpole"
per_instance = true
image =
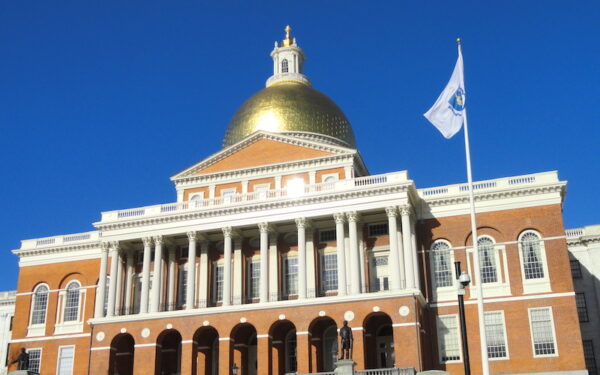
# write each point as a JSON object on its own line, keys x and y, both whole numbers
{"x": 485, "y": 366}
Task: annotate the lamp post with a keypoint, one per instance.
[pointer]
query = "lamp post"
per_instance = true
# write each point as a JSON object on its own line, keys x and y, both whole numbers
{"x": 463, "y": 281}
{"x": 234, "y": 369}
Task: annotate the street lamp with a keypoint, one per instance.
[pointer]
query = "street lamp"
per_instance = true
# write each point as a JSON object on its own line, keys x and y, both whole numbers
{"x": 463, "y": 281}
{"x": 234, "y": 369}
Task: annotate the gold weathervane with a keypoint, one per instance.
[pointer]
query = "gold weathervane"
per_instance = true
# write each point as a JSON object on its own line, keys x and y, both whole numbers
{"x": 288, "y": 38}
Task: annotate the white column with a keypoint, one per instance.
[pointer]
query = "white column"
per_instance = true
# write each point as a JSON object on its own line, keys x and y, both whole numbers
{"x": 361, "y": 252}
{"x": 171, "y": 279}
{"x": 227, "y": 266}
{"x": 300, "y": 224}
{"x": 146, "y": 274}
{"x": 263, "y": 291}
{"x": 408, "y": 250}
{"x": 311, "y": 289}
{"x": 156, "y": 279}
{"x": 203, "y": 294}
{"x": 238, "y": 271}
{"x": 273, "y": 267}
{"x": 244, "y": 186}
{"x": 129, "y": 281}
{"x": 119, "y": 291}
{"x": 190, "y": 292}
{"x": 348, "y": 172}
{"x": 101, "y": 288}
{"x": 394, "y": 260}
{"x": 312, "y": 177}
{"x": 211, "y": 191}
{"x": 112, "y": 285}
{"x": 277, "y": 182}
{"x": 413, "y": 237}
{"x": 354, "y": 254}
{"x": 341, "y": 253}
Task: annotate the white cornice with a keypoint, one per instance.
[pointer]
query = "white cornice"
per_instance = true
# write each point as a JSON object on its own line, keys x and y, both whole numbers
{"x": 259, "y": 135}
{"x": 46, "y": 255}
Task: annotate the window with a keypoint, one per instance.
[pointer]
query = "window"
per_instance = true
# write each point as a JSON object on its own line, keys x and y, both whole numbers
{"x": 581, "y": 307}
{"x": 290, "y": 352}
{"x": 531, "y": 256}
{"x": 35, "y": 358}
{"x": 40, "y": 301}
{"x": 378, "y": 230}
{"x": 331, "y": 177}
{"x": 290, "y": 270}
{"x": 379, "y": 272}
{"x": 261, "y": 190}
{"x": 441, "y": 260}
{"x": 182, "y": 295}
{"x": 228, "y": 194}
{"x": 253, "y": 279}
{"x": 576, "y": 269}
{"x": 590, "y": 358}
{"x": 487, "y": 260}
{"x": 183, "y": 253}
{"x": 65, "y": 360}
{"x": 327, "y": 235}
{"x": 329, "y": 277}
{"x": 284, "y": 66}
{"x": 139, "y": 257}
{"x": 218, "y": 291}
{"x": 71, "y": 312}
{"x": 448, "y": 341}
{"x": 330, "y": 348}
{"x": 197, "y": 196}
{"x": 542, "y": 331}
{"x": 496, "y": 338}
{"x": 106, "y": 294}
{"x": 137, "y": 293}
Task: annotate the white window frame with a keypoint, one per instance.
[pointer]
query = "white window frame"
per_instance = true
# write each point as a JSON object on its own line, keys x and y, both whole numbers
{"x": 503, "y": 334}
{"x": 378, "y": 252}
{"x": 549, "y": 308}
{"x": 329, "y": 250}
{"x": 334, "y": 176}
{"x": 288, "y": 255}
{"x": 458, "y": 339}
{"x": 540, "y": 285}
{"x": 196, "y": 196}
{"x": 442, "y": 293}
{"x": 58, "y": 358}
{"x": 40, "y": 362}
{"x": 73, "y": 326}
{"x": 182, "y": 275}
{"x": 216, "y": 264}
{"x": 255, "y": 259}
{"x": 261, "y": 190}
{"x": 38, "y": 329}
{"x": 502, "y": 286}
{"x": 227, "y": 194}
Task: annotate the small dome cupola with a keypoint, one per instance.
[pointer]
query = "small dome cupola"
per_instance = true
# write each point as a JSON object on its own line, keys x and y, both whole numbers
{"x": 288, "y": 60}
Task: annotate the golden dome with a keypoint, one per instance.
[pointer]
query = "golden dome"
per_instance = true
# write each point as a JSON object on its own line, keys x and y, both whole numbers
{"x": 290, "y": 107}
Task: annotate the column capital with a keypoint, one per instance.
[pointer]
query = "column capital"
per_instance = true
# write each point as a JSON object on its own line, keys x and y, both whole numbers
{"x": 114, "y": 246}
{"x": 339, "y": 217}
{"x": 353, "y": 216}
{"x": 405, "y": 210}
{"x": 227, "y": 231}
{"x": 391, "y": 211}
{"x": 302, "y": 222}
{"x": 264, "y": 227}
{"x": 158, "y": 240}
{"x": 192, "y": 235}
{"x": 147, "y": 241}
{"x": 104, "y": 247}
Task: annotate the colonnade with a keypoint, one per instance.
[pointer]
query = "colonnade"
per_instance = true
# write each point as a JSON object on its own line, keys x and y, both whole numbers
{"x": 402, "y": 264}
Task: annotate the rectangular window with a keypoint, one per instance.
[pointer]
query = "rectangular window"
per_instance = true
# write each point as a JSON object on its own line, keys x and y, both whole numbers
{"x": 379, "y": 273}
{"x": 378, "y": 230}
{"x": 35, "y": 358}
{"x": 253, "y": 279}
{"x": 290, "y": 269}
{"x": 327, "y": 235}
{"x": 494, "y": 330}
{"x": 71, "y": 312}
{"x": 576, "y": 269}
{"x": 183, "y": 253}
{"x": 542, "y": 331}
{"x": 182, "y": 287}
{"x": 448, "y": 342}
{"x": 581, "y": 307}
{"x": 65, "y": 360}
{"x": 137, "y": 293}
{"x": 218, "y": 283}
{"x": 139, "y": 257}
{"x": 329, "y": 277}
{"x": 590, "y": 357}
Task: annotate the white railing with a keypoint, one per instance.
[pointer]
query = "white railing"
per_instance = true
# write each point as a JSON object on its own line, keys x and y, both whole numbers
{"x": 497, "y": 184}
{"x": 577, "y": 232}
{"x": 255, "y": 197}
{"x": 60, "y": 240}
{"x": 387, "y": 371}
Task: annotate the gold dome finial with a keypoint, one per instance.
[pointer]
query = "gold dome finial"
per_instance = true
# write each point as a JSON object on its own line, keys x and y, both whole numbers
{"x": 288, "y": 38}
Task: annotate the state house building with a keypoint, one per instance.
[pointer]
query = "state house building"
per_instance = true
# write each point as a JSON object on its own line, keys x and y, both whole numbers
{"x": 282, "y": 235}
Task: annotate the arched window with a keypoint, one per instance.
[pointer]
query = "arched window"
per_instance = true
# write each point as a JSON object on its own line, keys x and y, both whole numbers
{"x": 71, "y": 312}
{"x": 40, "y": 301}
{"x": 284, "y": 66}
{"x": 487, "y": 260}
{"x": 441, "y": 261}
{"x": 532, "y": 255}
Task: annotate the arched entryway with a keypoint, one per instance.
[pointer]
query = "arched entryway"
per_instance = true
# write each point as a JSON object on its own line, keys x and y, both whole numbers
{"x": 323, "y": 342}
{"x": 243, "y": 348}
{"x": 168, "y": 353}
{"x": 121, "y": 355}
{"x": 206, "y": 352}
{"x": 378, "y": 341}
{"x": 283, "y": 344}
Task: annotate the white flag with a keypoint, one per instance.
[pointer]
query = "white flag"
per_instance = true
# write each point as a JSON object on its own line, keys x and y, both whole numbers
{"x": 448, "y": 111}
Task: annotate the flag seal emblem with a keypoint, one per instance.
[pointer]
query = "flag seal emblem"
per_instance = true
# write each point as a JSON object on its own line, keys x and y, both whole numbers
{"x": 457, "y": 101}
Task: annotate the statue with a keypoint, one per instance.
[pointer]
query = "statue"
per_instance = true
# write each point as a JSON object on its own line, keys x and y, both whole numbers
{"x": 23, "y": 360}
{"x": 347, "y": 341}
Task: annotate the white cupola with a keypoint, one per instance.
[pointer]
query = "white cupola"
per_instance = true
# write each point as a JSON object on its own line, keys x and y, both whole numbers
{"x": 288, "y": 60}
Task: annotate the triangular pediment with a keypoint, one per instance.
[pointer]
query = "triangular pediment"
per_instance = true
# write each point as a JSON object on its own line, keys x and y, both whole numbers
{"x": 262, "y": 149}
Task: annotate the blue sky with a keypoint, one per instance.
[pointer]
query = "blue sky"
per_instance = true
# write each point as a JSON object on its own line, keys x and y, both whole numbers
{"x": 102, "y": 101}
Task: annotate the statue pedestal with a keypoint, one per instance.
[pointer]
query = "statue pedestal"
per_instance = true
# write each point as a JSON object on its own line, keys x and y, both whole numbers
{"x": 344, "y": 367}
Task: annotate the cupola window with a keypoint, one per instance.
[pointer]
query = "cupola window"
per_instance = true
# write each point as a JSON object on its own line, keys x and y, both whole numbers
{"x": 284, "y": 66}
